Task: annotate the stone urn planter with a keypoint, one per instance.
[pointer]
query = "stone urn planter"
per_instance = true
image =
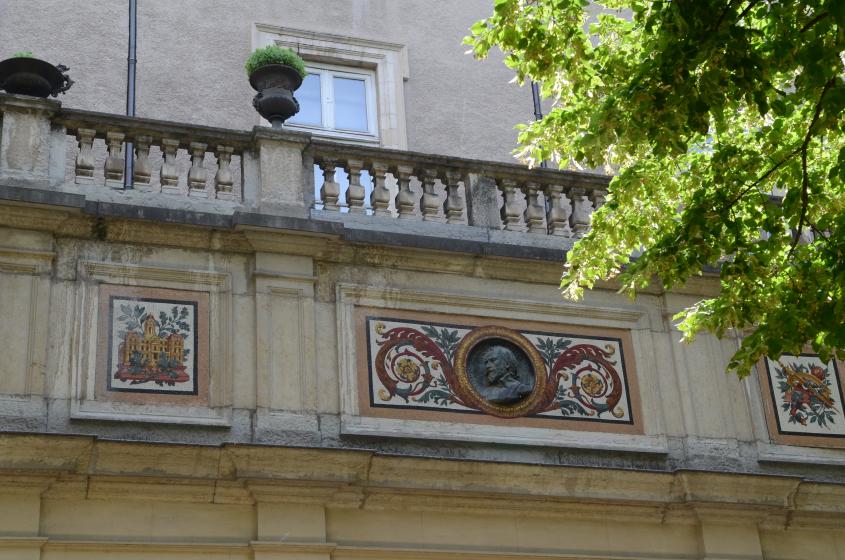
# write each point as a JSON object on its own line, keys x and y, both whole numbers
{"x": 275, "y": 73}
{"x": 24, "y": 75}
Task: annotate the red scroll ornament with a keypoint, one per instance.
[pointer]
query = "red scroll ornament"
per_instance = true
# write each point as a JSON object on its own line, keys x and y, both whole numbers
{"x": 408, "y": 361}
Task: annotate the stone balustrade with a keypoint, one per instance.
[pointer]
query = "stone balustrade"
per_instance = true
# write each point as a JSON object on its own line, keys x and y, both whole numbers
{"x": 443, "y": 189}
{"x": 172, "y": 140}
{"x": 282, "y": 172}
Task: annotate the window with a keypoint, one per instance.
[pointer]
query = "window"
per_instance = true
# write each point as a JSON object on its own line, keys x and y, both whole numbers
{"x": 337, "y": 102}
{"x": 340, "y": 67}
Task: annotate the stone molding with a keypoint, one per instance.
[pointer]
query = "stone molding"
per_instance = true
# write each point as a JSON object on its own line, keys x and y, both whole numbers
{"x": 30, "y": 271}
{"x": 85, "y": 405}
{"x": 273, "y": 550}
{"x": 286, "y": 347}
{"x": 16, "y": 261}
{"x": 245, "y": 474}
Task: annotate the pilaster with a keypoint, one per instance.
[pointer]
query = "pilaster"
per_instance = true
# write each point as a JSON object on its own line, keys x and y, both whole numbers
{"x": 25, "y": 140}
{"x": 283, "y": 172}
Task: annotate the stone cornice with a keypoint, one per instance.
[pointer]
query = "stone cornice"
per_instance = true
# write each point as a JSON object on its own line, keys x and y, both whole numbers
{"x": 28, "y": 104}
{"x": 65, "y": 466}
{"x": 289, "y": 549}
{"x": 71, "y": 215}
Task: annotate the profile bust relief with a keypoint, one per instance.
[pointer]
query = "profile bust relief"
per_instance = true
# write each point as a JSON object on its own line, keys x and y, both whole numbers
{"x": 501, "y": 373}
{"x": 500, "y": 380}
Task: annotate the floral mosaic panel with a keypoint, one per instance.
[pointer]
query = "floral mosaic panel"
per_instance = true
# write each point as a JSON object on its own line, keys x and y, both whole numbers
{"x": 806, "y": 396}
{"x": 497, "y": 371}
{"x": 152, "y": 345}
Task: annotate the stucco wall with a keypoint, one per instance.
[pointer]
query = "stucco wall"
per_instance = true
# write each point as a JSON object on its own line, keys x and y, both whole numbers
{"x": 191, "y": 54}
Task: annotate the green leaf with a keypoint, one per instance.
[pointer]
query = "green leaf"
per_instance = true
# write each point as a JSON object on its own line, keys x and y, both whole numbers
{"x": 724, "y": 135}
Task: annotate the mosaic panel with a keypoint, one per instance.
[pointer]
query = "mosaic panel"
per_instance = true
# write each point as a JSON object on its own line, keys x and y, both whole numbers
{"x": 805, "y": 398}
{"x": 497, "y": 371}
{"x": 152, "y": 342}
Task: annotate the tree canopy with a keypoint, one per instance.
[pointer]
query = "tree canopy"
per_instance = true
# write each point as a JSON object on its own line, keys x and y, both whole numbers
{"x": 722, "y": 122}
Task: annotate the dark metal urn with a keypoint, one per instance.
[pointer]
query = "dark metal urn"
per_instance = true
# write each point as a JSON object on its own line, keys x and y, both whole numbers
{"x": 275, "y": 84}
{"x": 32, "y": 76}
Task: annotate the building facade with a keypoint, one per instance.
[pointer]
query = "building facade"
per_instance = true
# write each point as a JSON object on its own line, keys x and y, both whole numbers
{"x": 345, "y": 339}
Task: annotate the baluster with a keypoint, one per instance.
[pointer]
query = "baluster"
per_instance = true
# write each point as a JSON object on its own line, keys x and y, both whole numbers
{"x": 535, "y": 212}
{"x": 598, "y": 196}
{"x": 380, "y": 197}
{"x": 169, "y": 173}
{"x": 355, "y": 193}
{"x": 141, "y": 169}
{"x": 223, "y": 180}
{"x": 453, "y": 205}
{"x": 330, "y": 191}
{"x": 114, "y": 162}
{"x": 582, "y": 210}
{"x": 512, "y": 215}
{"x": 559, "y": 212}
{"x": 197, "y": 173}
{"x": 429, "y": 201}
{"x": 84, "y": 172}
{"x": 405, "y": 197}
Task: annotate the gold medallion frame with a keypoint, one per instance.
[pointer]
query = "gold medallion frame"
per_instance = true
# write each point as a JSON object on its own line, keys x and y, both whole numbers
{"x": 468, "y": 392}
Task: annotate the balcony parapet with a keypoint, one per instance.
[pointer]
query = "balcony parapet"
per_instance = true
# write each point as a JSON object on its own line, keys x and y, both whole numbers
{"x": 265, "y": 172}
{"x": 455, "y": 190}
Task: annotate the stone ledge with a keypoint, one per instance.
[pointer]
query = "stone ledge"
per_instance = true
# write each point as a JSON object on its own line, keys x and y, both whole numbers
{"x": 354, "y": 478}
{"x": 440, "y": 238}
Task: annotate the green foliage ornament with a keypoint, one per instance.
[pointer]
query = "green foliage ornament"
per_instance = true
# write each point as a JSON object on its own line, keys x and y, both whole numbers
{"x": 274, "y": 54}
{"x": 723, "y": 123}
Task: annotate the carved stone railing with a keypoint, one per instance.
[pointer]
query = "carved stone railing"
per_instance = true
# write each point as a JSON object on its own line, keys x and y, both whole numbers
{"x": 454, "y": 190}
{"x": 279, "y": 172}
{"x": 173, "y": 140}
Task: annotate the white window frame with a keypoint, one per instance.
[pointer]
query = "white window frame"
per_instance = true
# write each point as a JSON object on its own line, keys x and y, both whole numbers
{"x": 327, "y": 72}
{"x": 387, "y": 61}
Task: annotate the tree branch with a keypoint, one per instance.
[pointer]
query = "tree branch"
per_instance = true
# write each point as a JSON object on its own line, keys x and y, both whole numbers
{"x": 762, "y": 178}
{"x": 742, "y": 14}
{"x": 747, "y": 9}
{"x": 723, "y": 14}
{"x": 814, "y": 21}
{"x": 805, "y": 176}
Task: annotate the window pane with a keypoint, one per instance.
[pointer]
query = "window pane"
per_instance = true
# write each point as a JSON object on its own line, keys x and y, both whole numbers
{"x": 308, "y": 95}
{"x": 350, "y": 104}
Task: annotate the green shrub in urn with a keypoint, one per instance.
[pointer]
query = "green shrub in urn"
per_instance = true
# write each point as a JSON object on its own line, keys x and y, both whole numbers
{"x": 275, "y": 73}
{"x": 274, "y": 54}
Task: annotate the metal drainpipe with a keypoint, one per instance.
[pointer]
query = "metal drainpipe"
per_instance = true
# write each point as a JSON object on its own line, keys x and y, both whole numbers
{"x": 128, "y": 178}
{"x": 538, "y": 111}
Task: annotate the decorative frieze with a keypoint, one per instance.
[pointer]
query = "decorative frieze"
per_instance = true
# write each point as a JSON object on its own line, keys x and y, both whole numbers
{"x": 445, "y": 365}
